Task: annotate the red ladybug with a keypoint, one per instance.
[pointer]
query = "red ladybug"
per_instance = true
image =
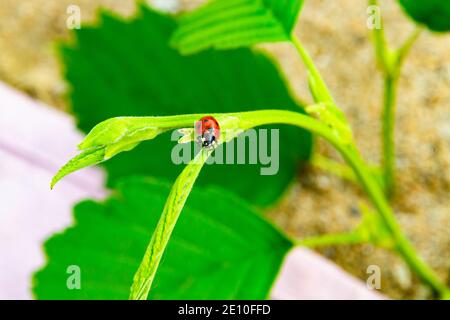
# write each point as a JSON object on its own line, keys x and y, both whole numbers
{"x": 207, "y": 131}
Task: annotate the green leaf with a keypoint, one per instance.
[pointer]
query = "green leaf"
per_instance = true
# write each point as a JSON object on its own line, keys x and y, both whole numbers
{"x": 227, "y": 24}
{"x": 120, "y": 134}
{"x": 435, "y": 14}
{"x": 116, "y": 135}
{"x": 221, "y": 248}
{"x": 127, "y": 68}
{"x": 86, "y": 158}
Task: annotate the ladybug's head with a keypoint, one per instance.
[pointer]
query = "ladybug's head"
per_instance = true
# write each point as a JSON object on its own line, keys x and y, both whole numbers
{"x": 207, "y": 131}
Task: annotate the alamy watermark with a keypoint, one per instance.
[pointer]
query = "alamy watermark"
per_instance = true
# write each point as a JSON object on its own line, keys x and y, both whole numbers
{"x": 74, "y": 17}
{"x": 73, "y": 281}
{"x": 374, "y": 19}
{"x": 254, "y": 146}
{"x": 373, "y": 281}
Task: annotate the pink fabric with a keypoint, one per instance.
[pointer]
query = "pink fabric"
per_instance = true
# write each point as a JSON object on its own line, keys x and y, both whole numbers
{"x": 34, "y": 142}
{"x": 307, "y": 275}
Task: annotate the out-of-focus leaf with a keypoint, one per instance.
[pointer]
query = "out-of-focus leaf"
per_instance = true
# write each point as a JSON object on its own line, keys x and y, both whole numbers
{"x": 220, "y": 249}
{"x": 226, "y": 24}
{"x": 127, "y": 68}
{"x": 435, "y": 14}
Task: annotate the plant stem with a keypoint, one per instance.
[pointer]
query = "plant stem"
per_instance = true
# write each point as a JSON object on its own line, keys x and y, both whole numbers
{"x": 403, "y": 51}
{"x": 365, "y": 177}
{"x": 381, "y": 50}
{"x": 341, "y": 170}
{"x": 331, "y": 240}
{"x": 368, "y": 181}
{"x": 390, "y": 64}
{"x": 314, "y": 72}
{"x": 338, "y": 169}
{"x": 388, "y": 134}
{"x": 385, "y": 62}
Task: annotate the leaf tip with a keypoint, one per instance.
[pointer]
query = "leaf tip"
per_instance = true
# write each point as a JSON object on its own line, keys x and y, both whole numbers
{"x": 58, "y": 176}
{"x": 86, "y": 158}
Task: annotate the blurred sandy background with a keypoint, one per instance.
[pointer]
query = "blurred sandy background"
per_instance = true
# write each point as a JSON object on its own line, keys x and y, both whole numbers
{"x": 336, "y": 35}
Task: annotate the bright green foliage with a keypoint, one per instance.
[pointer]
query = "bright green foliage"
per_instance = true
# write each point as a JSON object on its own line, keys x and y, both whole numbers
{"x": 86, "y": 158}
{"x": 435, "y": 14}
{"x": 223, "y": 251}
{"x": 116, "y": 135}
{"x": 127, "y": 68}
{"x": 120, "y": 134}
{"x": 226, "y": 24}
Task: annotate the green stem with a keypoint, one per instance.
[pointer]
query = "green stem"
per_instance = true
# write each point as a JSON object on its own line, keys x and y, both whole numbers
{"x": 372, "y": 187}
{"x": 338, "y": 169}
{"x": 367, "y": 179}
{"x": 390, "y": 63}
{"x": 364, "y": 176}
{"x": 403, "y": 51}
{"x": 332, "y": 240}
{"x": 381, "y": 50}
{"x": 341, "y": 170}
{"x": 314, "y": 72}
{"x": 388, "y": 134}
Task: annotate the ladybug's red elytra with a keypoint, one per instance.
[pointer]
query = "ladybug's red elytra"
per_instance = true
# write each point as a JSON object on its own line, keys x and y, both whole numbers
{"x": 207, "y": 131}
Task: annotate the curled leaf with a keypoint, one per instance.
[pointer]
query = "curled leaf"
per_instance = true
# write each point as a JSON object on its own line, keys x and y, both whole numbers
{"x": 116, "y": 135}
{"x": 86, "y": 158}
{"x": 121, "y": 134}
